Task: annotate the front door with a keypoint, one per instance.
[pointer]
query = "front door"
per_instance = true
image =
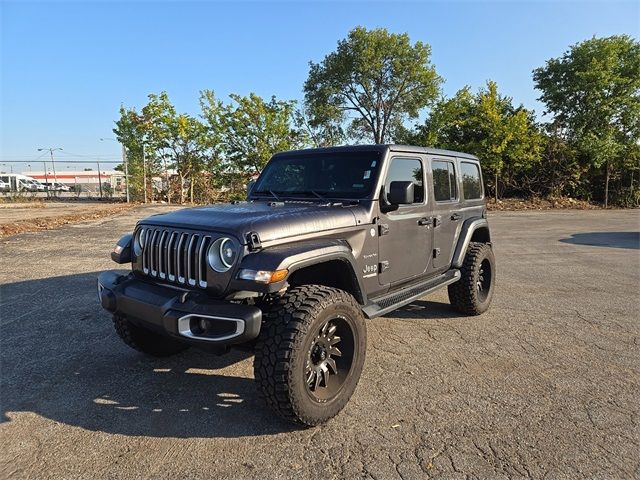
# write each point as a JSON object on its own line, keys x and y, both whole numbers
{"x": 404, "y": 234}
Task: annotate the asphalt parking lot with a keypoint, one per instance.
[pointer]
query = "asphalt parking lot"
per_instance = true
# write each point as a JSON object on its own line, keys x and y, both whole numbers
{"x": 544, "y": 385}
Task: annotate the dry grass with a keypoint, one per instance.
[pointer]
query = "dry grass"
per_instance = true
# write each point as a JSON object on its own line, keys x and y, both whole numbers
{"x": 513, "y": 204}
{"x": 47, "y": 223}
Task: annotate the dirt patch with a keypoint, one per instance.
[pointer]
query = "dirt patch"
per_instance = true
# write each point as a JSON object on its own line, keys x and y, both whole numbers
{"x": 566, "y": 203}
{"x": 49, "y": 217}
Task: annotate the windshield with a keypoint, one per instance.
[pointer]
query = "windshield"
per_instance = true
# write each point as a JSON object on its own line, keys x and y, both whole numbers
{"x": 350, "y": 175}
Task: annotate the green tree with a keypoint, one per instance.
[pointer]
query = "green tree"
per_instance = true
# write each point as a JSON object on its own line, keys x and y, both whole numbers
{"x": 129, "y": 132}
{"x": 315, "y": 134}
{"x": 593, "y": 91}
{"x": 178, "y": 141}
{"x": 250, "y": 131}
{"x": 486, "y": 124}
{"x": 374, "y": 80}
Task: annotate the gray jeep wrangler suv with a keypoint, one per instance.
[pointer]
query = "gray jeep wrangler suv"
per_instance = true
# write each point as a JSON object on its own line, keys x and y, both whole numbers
{"x": 327, "y": 238}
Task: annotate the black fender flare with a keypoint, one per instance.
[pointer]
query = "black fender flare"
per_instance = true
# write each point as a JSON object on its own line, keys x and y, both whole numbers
{"x": 296, "y": 256}
{"x": 468, "y": 228}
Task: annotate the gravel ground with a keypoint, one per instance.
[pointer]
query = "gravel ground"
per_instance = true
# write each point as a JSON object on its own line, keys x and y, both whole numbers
{"x": 546, "y": 384}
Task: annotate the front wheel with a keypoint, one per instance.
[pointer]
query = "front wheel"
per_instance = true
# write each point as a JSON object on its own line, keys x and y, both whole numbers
{"x": 472, "y": 294}
{"x": 310, "y": 353}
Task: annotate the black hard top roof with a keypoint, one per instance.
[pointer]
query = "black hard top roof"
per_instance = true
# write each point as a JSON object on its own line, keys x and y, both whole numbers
{"x": 381, "y": 148}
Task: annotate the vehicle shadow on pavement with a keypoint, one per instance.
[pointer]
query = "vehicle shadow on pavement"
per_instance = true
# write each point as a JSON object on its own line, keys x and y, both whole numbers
{"x": 628, "y": 240}
{"x": 425, "y": 309}
{"x": 61, "y": 359}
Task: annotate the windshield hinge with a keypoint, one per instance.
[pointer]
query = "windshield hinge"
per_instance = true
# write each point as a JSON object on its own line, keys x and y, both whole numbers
{"x": 253, "y": 239}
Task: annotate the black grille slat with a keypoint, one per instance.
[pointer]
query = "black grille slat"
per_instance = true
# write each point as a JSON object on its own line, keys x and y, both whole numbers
{"x": 191, "y": 259}
{"x": 152, "y": 253}
{"x": 169, "y": 258}
{"x": 202, "y": 261}
{"x": 178, "y": 257}
{"x": 162, "y": 268}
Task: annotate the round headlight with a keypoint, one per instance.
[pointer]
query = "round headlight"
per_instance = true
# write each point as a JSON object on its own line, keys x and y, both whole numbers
{"x": 138, "y": 242}
{"x": 222, "y": 254}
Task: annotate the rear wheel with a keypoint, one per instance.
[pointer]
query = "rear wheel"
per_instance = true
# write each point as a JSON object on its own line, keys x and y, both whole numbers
{"x": 472, "y": 294}
{"x": 310, "y": 353}
{"x": 146, "y": 341}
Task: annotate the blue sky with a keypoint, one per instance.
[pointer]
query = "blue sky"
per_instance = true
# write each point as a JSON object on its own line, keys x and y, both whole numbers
{"x": 67, "y": 67}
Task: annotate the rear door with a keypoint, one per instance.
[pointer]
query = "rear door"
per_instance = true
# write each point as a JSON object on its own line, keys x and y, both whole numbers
{"x": 404, "y": 235}
{"x": 447, "y": 215}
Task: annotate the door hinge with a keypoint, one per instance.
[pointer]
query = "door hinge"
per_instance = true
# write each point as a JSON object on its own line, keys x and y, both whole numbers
{"x": 383, "y": 229}
{"x": 436, "y": 252}
{"x": 384, "y": 265}
{"x": 437, "y": 220}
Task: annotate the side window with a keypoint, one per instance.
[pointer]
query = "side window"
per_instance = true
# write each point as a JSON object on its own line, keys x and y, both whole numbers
{"x": 445, "y": 187}
{"x": 406, "y": 170}
{"x": 471, "y": 186}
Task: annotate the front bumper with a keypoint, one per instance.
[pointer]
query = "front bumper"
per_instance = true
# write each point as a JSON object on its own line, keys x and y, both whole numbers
{"x": 190, "y": 316}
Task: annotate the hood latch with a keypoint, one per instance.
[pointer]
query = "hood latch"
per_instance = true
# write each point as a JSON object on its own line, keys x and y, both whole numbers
{"x": 253, "y": 239}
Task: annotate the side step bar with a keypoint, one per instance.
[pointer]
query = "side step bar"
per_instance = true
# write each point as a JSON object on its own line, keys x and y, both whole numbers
{"x": 399, "y": 298}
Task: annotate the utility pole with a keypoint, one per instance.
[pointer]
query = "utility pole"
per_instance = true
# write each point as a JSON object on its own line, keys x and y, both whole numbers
{"x": 46, "y": 178}
{"x": 144, "y": 173}
{"x": 125, "y": 162}
{"x": 53, "y": 162}
{"x": 99, "y": 180}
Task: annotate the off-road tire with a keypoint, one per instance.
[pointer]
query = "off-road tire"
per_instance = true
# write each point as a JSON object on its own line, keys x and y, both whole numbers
{"x": 464, "y": 294}
{"x": 288, "y": 331}
{"x": 144, "y": 340}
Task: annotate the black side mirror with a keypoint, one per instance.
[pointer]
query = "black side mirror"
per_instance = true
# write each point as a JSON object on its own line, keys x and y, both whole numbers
{"x": 401, "y": 193}
{"x": 250, "y": 186}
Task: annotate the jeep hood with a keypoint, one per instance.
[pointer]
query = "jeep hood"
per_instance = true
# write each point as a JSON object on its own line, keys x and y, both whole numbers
{"x": 272, "y": 221}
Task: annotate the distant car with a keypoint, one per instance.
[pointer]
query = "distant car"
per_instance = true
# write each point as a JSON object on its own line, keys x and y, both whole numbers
{"x": 56, "y": 187}
{"x": 38, "y": 186}
{"x": 27, "y": 186}
{"x": 4, "y": 186}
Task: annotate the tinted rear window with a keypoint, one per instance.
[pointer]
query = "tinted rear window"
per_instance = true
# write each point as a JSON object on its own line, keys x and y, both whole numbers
{"x": 445, "y": 187}
{"x": 471, "y": 185}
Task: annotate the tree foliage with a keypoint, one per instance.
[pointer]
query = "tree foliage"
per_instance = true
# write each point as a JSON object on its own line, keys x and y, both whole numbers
{"x": 486, "y": 124}
{"x": 593, "y": 93}
{"x": 374, "y": 81}
{"x": 210, "y": 155}
{"x": 370, "y": 87}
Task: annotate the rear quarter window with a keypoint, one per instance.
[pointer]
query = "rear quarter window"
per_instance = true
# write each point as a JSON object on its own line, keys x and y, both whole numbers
{"x": 471, "y": 184}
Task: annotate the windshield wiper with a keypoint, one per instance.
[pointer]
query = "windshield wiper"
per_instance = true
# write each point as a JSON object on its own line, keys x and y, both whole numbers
{"x": 270, "y": 192}
{"x": 321, "y": 197}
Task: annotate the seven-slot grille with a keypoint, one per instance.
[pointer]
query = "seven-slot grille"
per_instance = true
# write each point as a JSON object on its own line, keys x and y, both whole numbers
{"x": 176, "y": 256}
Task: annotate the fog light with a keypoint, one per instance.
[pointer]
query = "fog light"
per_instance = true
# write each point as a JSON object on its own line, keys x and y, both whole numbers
{"x": 203, "y": 324}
